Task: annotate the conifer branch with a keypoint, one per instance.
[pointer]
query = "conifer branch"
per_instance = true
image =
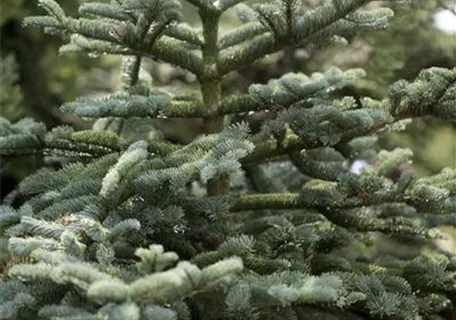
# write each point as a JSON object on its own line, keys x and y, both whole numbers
{"x": 286, "y": 201}
{"x": 136, "y": 36}
{"x": 261, "y": 46}
{"x": 401, "y": 105}
{"x": 110, "y": 11}
{"x": 62, "y": 141}
{"x": 85, "y": 231}
{"x": 346, "y": 209}
{"x": 270, "y": 201}
{"x": 127, "y": 105}
{"x": 292, "y": 89}
{"x": 75, "y": 145}
{"x": 241, "y": 103}
{"x": 245, "y": 32}
{"x": 306, "y": 165}
{"x": 291, "y": 143}
{"x": 185, "y": 33}
{"x": 340, "y": 211}
{"x": 171, "y": 51}
{"x": 272, "y": 148}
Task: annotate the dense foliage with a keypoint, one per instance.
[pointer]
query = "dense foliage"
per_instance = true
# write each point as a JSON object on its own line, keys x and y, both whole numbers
{"x": 258, "y": 215}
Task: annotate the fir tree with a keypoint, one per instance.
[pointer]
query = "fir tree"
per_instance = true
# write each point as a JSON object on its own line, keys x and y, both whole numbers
{"x": 248, "y": 220}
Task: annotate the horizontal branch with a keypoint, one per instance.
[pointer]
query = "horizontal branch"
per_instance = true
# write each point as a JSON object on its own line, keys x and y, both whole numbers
{"x": 269, "y": 201}
{"x": 123, "y": 105}
{"x": 240, "y": 103}
{"x": 272, "y": 148}
{"x": 68, "y": 148}
{"x": 66, "y": 151}
{"x": 291, "y": 143}
{"x": 337, "y": 212}
{"x": 171, "y": 51}
{"x": 184, "y": 33}
{"x": 232, "y": 59}
{"x": 185, "y": 109}
{"x": 291, "y": 201}
{"x": 243, "y": 33}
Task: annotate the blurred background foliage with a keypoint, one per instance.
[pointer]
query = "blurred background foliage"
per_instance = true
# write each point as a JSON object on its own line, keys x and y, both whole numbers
{"x": 36, "y": 80}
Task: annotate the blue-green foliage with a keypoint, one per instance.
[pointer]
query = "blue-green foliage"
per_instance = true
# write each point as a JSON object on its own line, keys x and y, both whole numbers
{"x": 239, "y": 223}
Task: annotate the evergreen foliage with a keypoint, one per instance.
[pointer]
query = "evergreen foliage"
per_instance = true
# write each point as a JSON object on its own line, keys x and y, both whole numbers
{"x": 248, "y": 220}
